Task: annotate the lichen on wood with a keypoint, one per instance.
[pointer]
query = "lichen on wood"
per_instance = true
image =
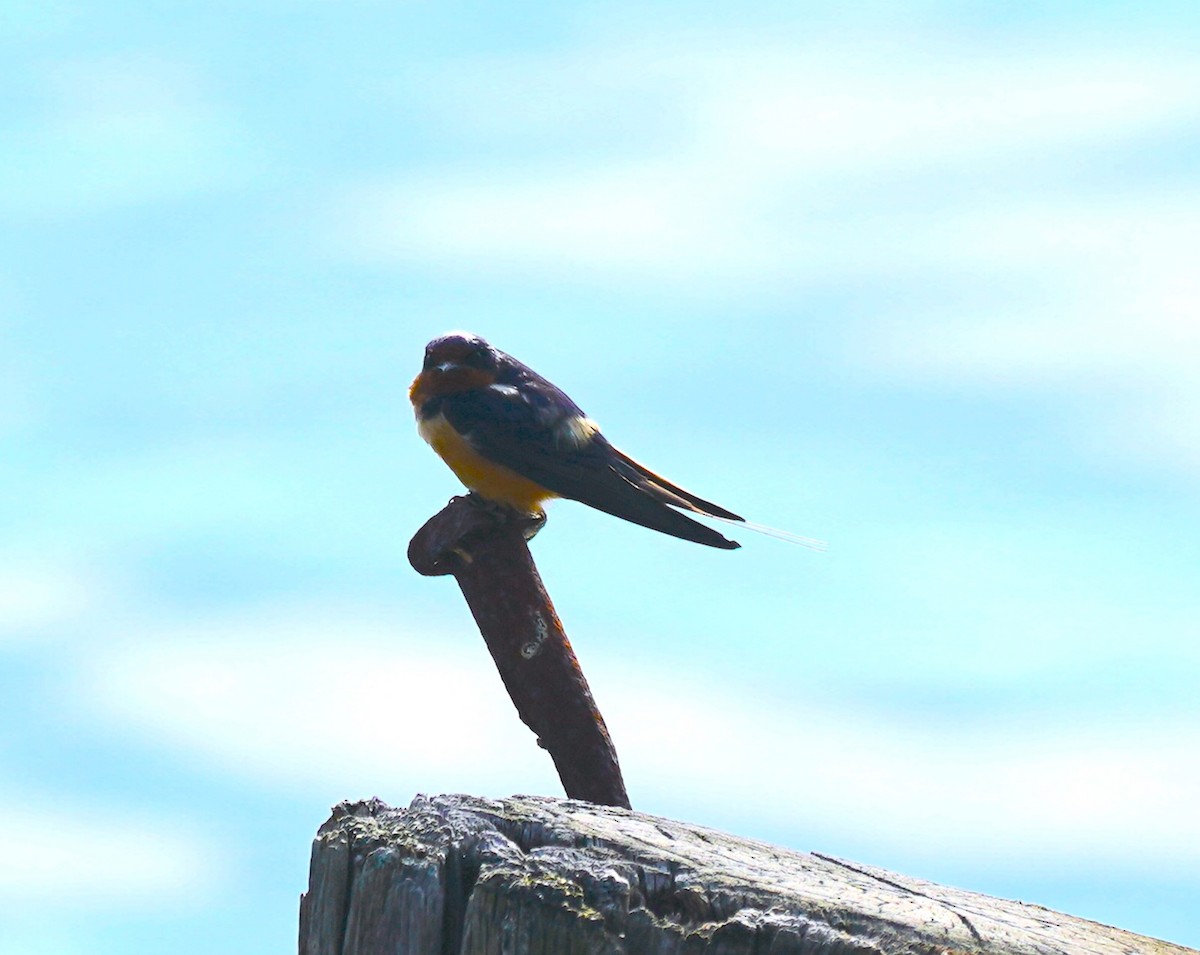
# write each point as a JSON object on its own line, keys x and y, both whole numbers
{"x": 462, "y": 875}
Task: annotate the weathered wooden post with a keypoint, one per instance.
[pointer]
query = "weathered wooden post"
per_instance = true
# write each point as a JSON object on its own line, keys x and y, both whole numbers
{"x": 460, "y": 875}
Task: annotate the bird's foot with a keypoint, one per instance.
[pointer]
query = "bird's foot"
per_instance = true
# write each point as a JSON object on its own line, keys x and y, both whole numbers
{"x": 532, "y": 523}
{"x": 529, "y": 524}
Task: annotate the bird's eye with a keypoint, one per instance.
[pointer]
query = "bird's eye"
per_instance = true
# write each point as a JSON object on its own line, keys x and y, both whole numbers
{"x": 479, "y": 357}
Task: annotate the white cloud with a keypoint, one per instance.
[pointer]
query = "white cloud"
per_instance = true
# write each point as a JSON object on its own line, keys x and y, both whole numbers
{"x": 270, "y": 697}
{"x": 277, "y": 702}
{"x": 628, "y": 218}
{"x": 765, "y": 178}
{"x": 115, "y": 131}
{"x": 38, "y": 593}
{"x": 1119, "y": 320}
{"x": 788, "y": 167}
{"x": 1065, "y": 790}
{"x": 88, "y": 859}
{"x": 836, "y": 112}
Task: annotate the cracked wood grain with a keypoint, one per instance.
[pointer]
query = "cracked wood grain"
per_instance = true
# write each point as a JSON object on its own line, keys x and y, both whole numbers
{"x": 462, "y": 875}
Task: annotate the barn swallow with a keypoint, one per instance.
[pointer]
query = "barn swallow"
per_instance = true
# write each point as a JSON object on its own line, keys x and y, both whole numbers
{"x": 514, "y": 438}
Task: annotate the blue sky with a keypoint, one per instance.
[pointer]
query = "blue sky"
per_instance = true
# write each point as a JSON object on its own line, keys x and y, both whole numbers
{"x": 920, "y": 282}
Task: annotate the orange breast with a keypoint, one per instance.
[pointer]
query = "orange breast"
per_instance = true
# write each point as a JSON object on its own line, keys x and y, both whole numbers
{"x": 484, "y": 477}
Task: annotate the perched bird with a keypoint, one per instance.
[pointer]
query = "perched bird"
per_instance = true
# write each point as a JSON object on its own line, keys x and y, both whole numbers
{"x": 515, "y": 439}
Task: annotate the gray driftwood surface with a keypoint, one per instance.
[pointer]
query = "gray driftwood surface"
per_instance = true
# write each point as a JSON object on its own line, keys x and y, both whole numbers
{"x": 462, "y": 875}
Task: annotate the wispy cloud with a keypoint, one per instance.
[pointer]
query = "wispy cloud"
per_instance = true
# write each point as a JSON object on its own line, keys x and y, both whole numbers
{"x": 1063, "y": 791}
{"x": 268, "y": 696}
{"x": 276, "y": 701}
{"x": 792, "y": 164}
{"x": 84, "y": 858}
{"x": 1115, "y": 316}
{"x": 801, "y": 167}
{"x": 112, "y": 132}
{"x": 38, "y": 593}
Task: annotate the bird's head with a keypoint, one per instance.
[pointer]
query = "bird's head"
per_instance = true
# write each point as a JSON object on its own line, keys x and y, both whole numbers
{"x": 458, "y": 361}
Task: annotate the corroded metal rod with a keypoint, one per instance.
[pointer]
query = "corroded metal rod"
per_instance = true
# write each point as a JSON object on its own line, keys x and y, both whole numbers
{"x": 486, "y": 552}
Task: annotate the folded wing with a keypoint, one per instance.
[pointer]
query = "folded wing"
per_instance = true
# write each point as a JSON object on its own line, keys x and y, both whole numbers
{"x": 534, "y": 439}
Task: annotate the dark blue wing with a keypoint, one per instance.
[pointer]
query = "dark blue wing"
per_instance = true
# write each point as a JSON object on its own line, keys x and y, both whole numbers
{"x": 536, "y": 431}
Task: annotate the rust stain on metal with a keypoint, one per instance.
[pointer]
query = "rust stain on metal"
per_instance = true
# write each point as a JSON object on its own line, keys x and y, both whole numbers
{"x": 540, "y": 631}
{"x": 489, "y": 558}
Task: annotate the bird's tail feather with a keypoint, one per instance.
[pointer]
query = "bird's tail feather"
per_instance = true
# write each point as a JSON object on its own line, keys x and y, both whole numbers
{"x": 673, "y": 493}
{"x": 634, "y": 505}
{"x": 680, "y": 526}
{"x": 812, "y": 543}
